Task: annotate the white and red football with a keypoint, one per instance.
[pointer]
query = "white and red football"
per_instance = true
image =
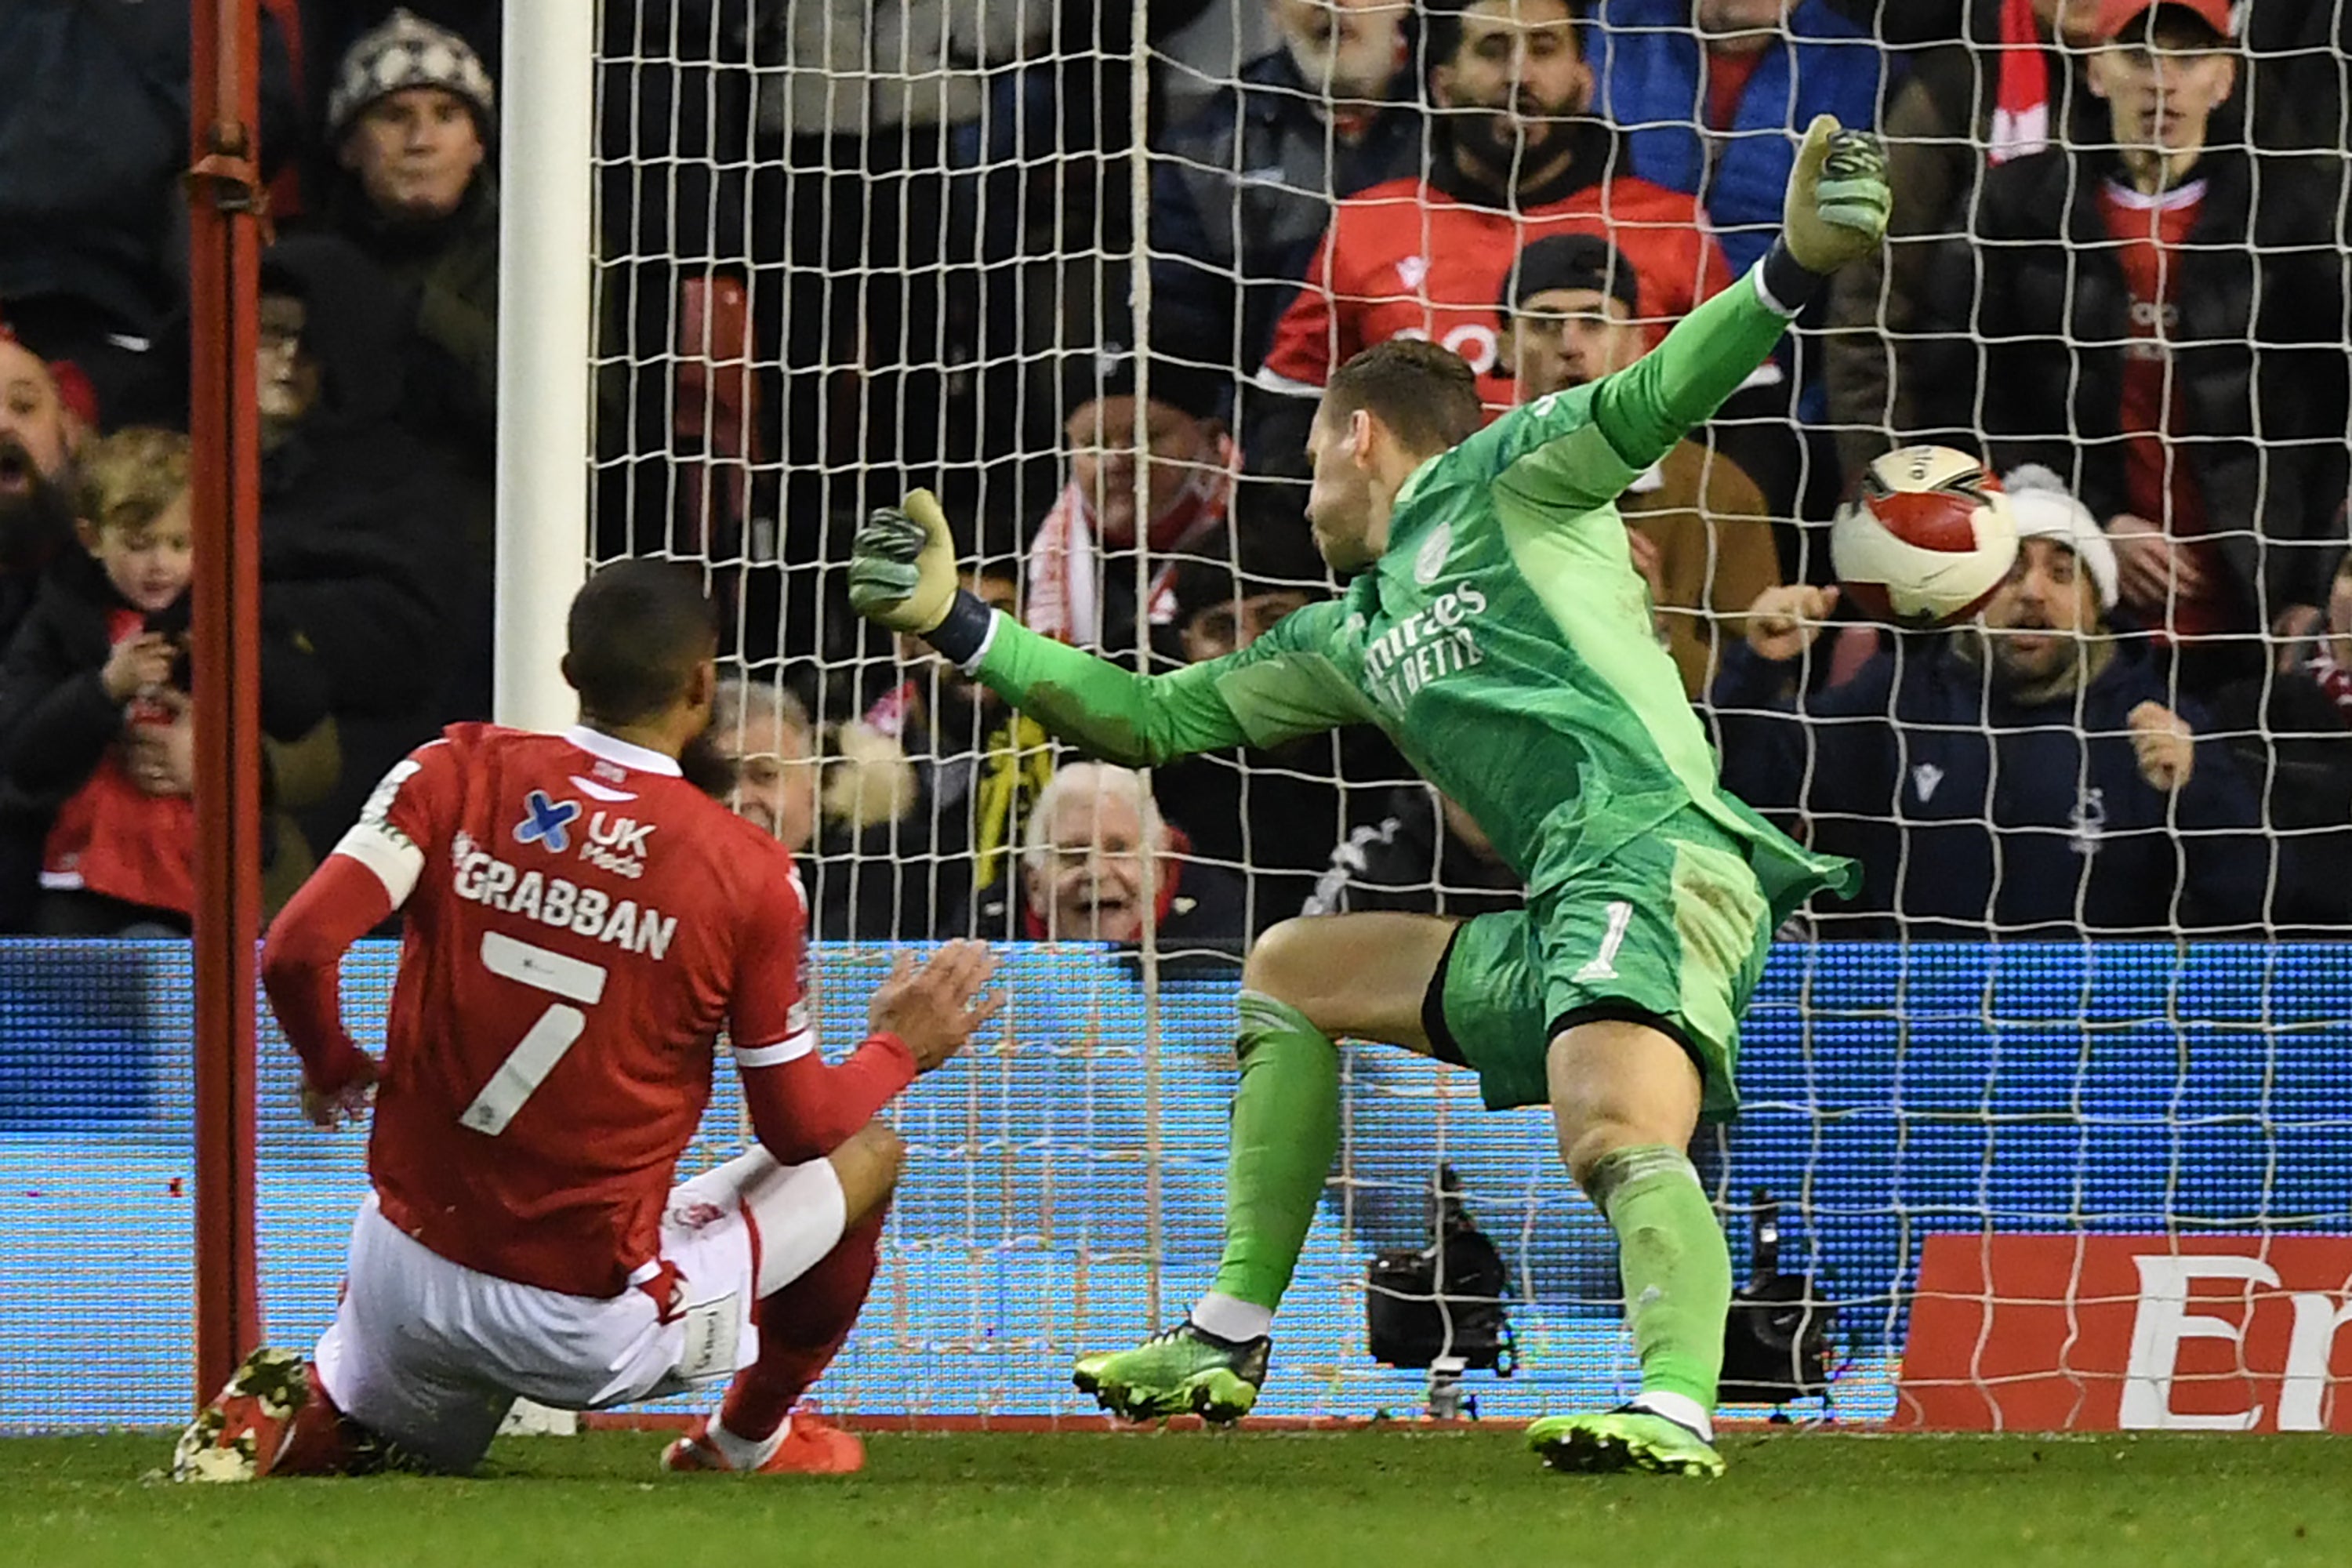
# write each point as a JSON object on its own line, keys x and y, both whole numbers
{"x": 1927, "y": 539}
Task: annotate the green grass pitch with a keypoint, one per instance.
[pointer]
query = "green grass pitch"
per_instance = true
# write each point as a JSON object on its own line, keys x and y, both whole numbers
{"x": 1369, "y": 1500}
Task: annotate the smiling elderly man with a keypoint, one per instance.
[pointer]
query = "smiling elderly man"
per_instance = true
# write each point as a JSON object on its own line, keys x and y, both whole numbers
{"x": 1096, "y": 853}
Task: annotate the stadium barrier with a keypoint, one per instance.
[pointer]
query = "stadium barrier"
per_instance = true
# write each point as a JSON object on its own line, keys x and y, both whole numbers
{"x": 1892, "y": 1094}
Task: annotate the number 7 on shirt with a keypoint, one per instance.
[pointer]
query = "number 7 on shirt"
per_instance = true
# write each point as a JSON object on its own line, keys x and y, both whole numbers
{"x": 544, "y": 1044}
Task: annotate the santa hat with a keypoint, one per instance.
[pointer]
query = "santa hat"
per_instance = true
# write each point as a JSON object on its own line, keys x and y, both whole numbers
{"x": 2045, "y": 508}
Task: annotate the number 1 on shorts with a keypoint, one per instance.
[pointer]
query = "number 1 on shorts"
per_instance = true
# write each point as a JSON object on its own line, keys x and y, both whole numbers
{"x": 1604, "y": 962}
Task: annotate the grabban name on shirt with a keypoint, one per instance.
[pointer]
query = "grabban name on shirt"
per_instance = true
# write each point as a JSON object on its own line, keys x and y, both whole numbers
{"x": 481, "y": 878}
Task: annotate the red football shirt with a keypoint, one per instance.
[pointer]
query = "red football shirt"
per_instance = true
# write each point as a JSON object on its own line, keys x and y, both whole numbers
{"x": 1407, "y": 259}
{"x": 2158, "y": 483}
{"x": 581, "y": 923}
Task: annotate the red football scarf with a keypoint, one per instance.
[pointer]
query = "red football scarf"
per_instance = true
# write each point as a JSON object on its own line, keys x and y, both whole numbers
{"x": 2021, "y": 115}
{"x": 1063, "y": 599}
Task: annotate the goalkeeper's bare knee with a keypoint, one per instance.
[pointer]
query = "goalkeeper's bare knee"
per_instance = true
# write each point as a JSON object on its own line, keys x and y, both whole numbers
{"x": 1617, "y": 1084}
{"x": 1364, "y": 975}
{"x": 1282, "y": 963}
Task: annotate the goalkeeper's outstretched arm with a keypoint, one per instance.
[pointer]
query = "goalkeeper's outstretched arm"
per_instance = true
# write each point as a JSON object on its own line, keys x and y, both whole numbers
{"x": 902, "y": 575}
{"x": 1835, "y": 212}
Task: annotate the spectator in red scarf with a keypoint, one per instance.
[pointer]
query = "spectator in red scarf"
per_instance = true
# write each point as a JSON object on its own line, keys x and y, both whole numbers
{"x": 94, "y": 707}
{"x": 2006, "y": 92}
{"x": 1081, "y": 585}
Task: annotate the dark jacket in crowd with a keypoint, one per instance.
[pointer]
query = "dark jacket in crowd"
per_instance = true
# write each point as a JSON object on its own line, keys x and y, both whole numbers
{"x": 362, "y": 548}
{"x": 1974, "y": 817}
{"x": 93, "y": 143}
{"x": 33, "y": 539}
{"x": 56, "y": 720}
{"x": 2264, "y": 430}
{"x": 2294, "y": 52}
{"x": 2292, "y": 739}
{"x": 1243, "y": 190}
{"x": 1935, "y": 129}
{"x": 1274, "y": 814}
{"x": 1412, "y": 860}
{"x": 447, "y": 271}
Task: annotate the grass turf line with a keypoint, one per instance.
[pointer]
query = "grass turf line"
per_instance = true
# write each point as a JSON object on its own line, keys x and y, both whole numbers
{"x": 1296, "y": 1501}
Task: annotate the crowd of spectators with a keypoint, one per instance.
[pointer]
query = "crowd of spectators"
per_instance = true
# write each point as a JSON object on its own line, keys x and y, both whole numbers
{"x": 953, "y": 255}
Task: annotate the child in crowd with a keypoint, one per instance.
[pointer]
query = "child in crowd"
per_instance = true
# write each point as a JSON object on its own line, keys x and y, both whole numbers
{"x": 95, "y": 729}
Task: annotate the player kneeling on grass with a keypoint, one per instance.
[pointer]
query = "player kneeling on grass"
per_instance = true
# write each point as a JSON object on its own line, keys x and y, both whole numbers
{"x": 1496, "y": 630}
{"x": 582, "y": 919}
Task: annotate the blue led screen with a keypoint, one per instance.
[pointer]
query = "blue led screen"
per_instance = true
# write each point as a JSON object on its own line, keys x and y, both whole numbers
{"x": 1063, "y": 1190}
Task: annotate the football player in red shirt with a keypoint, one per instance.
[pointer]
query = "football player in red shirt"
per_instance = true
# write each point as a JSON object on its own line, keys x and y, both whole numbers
{"x": 582, "y": 921}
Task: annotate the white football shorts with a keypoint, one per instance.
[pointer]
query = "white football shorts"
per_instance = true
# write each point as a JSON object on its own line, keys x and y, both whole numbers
{"x": 430, "y": 1354}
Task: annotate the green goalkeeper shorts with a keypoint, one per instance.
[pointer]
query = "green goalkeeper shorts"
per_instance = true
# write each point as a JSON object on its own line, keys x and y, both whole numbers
{"x": 1669, "y": 929}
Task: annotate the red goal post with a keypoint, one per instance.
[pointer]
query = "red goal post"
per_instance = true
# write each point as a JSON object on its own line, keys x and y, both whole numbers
{"x": 224, "y": 239}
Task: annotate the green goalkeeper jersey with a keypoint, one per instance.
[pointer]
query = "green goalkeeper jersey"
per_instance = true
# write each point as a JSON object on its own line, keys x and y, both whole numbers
{"x": 1503, "y": 641}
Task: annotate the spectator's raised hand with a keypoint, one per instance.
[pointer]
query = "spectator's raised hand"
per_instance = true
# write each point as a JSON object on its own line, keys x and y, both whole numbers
{"x": 1783, "y": 621}
{"x": 162, "y": 758}
{"x": 138, "y": 664}
{"x": 2151, "y": 566}
{"x": 2294, "y": 634}
{"x": 2164, "y": 745}
{"x": 935, "y": 1008}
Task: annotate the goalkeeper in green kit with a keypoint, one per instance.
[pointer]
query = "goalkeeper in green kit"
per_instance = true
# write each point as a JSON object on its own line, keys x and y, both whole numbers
{"x": 1496, "y": 630}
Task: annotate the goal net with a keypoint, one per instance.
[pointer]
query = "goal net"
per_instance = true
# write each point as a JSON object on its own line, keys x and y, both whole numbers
{"x": 2042, "y": 1133}
{"x": 966, "y": 240}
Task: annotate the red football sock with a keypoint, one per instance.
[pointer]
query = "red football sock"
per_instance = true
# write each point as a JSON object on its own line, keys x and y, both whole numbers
{"x": 801, "y": 1328}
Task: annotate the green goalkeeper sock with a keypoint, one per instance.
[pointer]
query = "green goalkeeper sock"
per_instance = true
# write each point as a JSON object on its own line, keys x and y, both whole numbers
{"x": 1676, "y": 1265}
{"x": 1285, "y": 1131}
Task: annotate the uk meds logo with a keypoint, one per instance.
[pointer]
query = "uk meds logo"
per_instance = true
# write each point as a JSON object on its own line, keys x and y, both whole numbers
{"x": 547, "y": 823}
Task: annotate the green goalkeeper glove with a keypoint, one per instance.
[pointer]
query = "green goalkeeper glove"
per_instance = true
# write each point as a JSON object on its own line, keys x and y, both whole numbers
{"x": 902, "y": 567}
{"x": 1838, "y": 198}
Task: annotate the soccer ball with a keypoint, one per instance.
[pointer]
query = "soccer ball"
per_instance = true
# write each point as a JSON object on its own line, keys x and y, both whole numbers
{"x": 1926, "y": 540}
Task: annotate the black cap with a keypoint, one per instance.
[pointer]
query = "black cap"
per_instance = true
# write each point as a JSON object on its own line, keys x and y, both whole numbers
{"x": 1198, "y": 585}
{"x": 1579, "y": 261}
{"x": 1110, "y": 370}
